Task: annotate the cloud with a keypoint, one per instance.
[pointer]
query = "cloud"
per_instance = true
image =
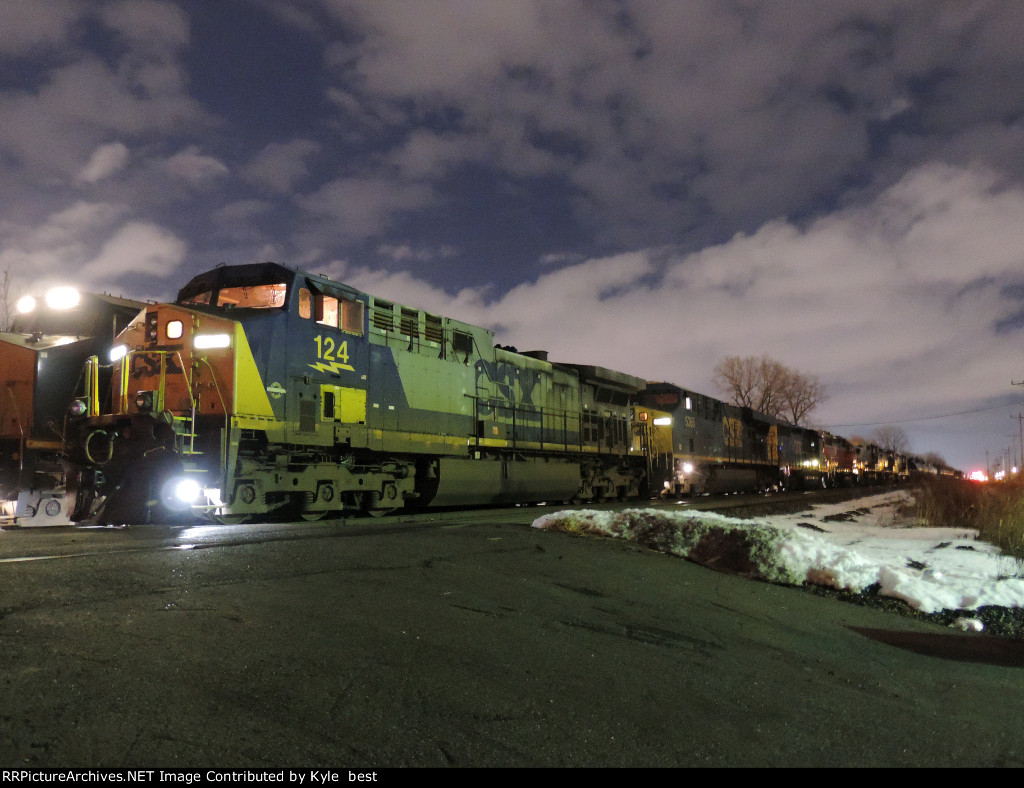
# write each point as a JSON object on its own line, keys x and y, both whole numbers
{"x": 280, "y": 167}
{"x": 409, "y": 253}
{"x": 192, "y": 166}
{"x": 148, "y": 23}
{"x": 361, "y": 207}
{"x": 59, "y": 244}
{"x": 90, "y": 245}
{"x": 36, "y": 24}
{"x": 104, "y": 161}
{"x": 676, "y": 121}
{"x": 75, "y": 97}
{"x": 138, "y": 248}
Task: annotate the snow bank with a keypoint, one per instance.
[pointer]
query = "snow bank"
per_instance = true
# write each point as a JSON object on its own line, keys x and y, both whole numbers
{"x": 931, "y": 569}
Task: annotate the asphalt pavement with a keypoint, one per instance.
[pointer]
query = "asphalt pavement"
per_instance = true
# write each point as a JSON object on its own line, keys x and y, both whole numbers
{"x": 463, "y": 640}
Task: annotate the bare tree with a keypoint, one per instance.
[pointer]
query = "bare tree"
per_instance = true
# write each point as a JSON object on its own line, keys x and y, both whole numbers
{"x": 768, "y": 386}
{"x": 736, "y": 378}
{"x": 891, "y": 438}
{"x": 800, "y": 395}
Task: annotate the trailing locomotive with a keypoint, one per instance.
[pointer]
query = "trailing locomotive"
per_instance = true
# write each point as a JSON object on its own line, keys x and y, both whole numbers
{"x": 266, "y": 391}
{"x": 718, "y": 447}
{"x": 42, "y": 356}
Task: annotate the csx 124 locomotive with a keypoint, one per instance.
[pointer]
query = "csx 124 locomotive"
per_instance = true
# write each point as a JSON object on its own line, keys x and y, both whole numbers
{"x": 41, "y": 358}
{"x": 263, "y": 391}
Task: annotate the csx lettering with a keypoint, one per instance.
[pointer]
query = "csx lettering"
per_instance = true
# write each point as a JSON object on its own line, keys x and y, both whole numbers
{"x": 732, "y": 429}
{"x": 147, "y": 364}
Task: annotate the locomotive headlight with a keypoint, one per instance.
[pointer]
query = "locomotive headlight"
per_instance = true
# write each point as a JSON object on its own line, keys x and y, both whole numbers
{"x": 25, "y": 304}
{"x": 63, "y": 298}
{"x": 78, "y": 407}
{"x": 206, "y": 341}
{"x": 687, "y": 467}
{"x": 178, "y": 493}
{"x": 117, "y": 352}
{"x": 175, "y": 328}
{"x": 663, "y": 421}
{"x": 187, "y": 491}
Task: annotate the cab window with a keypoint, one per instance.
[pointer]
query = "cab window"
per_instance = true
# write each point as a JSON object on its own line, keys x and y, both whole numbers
{"x": 257, "y": 297}
{"x": 327, "y": 310}
{"x": 352, "y": 316}
{"x": 343, "y": 313}
{"x": 200, "y": 298}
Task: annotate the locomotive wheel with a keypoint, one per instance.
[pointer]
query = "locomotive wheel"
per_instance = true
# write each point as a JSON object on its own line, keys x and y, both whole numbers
{"x": 312, "y": 517}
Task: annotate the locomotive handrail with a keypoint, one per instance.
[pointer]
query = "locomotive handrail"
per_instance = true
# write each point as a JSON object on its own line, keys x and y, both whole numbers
{"x": 216, "y": 387}
{"x": 21, "y": 427}
{"x": 124, "y": 376}
{"x": 540, "y": 413}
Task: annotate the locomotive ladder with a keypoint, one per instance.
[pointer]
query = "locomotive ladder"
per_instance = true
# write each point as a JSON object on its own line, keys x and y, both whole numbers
{"x": 184, "y": 428}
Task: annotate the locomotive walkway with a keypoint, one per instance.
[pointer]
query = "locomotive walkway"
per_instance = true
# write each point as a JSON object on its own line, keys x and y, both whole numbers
{"x": 465, "y": 639}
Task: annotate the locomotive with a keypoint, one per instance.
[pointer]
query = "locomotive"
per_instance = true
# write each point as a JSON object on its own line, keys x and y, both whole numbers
{"x": 267, "y": 391}
{"x": 42, "y": 355}
{"x": 718, "y": 447}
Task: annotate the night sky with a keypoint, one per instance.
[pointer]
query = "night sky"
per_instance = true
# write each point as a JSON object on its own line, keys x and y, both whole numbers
{"x": 648, "y": 186}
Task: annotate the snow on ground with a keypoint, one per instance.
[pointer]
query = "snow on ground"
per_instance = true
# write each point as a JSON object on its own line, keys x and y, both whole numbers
{"x": 849, "y": 546}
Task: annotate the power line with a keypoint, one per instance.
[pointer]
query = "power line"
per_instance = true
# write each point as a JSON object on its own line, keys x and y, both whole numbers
{"x": 921, "y": 418}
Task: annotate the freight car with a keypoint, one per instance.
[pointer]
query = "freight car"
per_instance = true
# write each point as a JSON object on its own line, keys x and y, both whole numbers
{"x": 42, "y": 356}
{"x": 264, "y": 391}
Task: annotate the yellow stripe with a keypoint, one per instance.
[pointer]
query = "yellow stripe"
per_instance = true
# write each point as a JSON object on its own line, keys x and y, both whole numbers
{"x": 251, "y": 395}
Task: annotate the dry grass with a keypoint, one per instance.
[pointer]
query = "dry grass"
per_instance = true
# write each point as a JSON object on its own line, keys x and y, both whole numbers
{"x": 996, "y": 511}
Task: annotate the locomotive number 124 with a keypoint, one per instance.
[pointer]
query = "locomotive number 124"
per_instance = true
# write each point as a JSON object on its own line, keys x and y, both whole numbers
{"x": 332, "y": 352}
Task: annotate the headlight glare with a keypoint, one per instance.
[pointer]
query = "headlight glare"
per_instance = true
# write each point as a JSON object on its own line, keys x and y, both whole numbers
{"x": 63, "y": 298}
{"x": 207, "y": 341}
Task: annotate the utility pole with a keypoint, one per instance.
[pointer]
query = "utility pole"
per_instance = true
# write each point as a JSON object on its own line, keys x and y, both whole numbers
{"x": 1020, "y": 428}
